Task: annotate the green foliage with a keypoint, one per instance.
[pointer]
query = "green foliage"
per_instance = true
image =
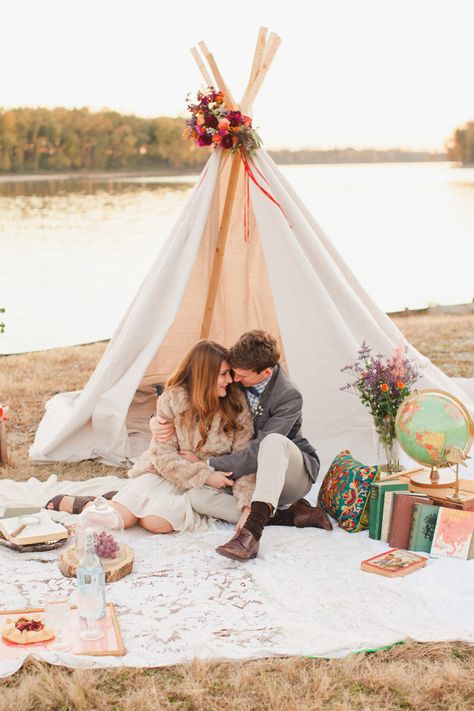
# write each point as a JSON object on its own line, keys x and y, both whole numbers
{"x": 33, "y": 140}
{"x": 61, "y": 140}
{"x": 461, "y": 147}
{"x": 2, "y": 325}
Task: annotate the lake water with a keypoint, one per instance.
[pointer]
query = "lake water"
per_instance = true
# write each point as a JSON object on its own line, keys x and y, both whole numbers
{"x": 74, "y": 252}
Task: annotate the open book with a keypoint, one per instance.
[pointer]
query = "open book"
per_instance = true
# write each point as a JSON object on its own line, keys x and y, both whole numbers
{"x": 40, "y": 529}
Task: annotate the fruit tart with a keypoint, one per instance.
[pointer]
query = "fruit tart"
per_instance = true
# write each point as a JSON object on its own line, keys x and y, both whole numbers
{"x": 26, "y": 630}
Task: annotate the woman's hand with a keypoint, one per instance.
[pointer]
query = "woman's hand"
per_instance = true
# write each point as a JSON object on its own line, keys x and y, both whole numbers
{"x": 243, "y": 518}
{"x": 219, "y": 480}
{"x": 189, "y": 456}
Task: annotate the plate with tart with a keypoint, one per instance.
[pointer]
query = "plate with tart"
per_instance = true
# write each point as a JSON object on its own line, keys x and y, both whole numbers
{"x": 26, "y": 630}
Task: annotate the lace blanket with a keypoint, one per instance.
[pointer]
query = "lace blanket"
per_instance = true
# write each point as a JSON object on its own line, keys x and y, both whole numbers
{"x": 304, "y": 595}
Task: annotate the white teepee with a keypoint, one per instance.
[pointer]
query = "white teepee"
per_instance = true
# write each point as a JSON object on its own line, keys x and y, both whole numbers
{"x": 209, "y": 282}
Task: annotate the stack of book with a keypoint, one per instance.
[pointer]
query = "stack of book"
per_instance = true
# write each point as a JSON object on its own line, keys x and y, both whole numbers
{"x": 416, "y": 521}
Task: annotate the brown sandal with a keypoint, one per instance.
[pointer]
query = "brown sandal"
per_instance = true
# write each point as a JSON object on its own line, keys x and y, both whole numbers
{"x": 78, "y": 502}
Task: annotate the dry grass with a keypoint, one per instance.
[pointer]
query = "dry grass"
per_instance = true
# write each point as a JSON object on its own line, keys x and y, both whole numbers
{"x": 409, "y": 676}
{"x": 447, "y": 340}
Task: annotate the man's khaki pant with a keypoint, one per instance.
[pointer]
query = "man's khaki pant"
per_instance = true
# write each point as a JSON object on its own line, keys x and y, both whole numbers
{"x": 282, "y": 479}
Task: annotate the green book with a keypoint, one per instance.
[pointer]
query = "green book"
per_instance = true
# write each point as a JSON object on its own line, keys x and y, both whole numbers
{"x": 423, "y": 527}
{"x": 376, "y": 501}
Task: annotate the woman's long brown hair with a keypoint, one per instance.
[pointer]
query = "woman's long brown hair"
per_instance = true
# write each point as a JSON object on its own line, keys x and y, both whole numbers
{"x": 197, "y": 373}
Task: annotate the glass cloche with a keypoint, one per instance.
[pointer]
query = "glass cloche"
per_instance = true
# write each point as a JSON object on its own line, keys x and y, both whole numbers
{"x": 107, "y": 526}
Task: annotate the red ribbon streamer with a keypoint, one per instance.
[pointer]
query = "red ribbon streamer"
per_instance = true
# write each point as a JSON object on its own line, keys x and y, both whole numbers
{"x": 249, "y": 174}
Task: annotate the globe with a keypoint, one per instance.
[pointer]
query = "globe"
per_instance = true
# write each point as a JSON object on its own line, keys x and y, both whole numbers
{"x": 435, "y": 429}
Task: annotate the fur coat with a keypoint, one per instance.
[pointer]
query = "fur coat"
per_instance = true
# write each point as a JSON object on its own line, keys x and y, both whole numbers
{"x": 163, "y": 458}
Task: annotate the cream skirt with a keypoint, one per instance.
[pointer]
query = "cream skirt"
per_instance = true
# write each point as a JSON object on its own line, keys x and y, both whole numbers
{"x": 151, "y": 495}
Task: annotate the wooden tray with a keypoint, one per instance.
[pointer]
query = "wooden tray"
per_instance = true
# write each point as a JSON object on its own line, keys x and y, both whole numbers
{"x": 110, "y": 645}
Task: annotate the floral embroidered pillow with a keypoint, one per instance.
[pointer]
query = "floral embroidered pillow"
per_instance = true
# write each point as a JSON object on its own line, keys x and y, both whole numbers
{"x": 345, "y": 491}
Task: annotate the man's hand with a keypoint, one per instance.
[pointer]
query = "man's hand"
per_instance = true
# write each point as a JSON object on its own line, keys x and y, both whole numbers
{"x": 243, "y": 518}
{"x": 219, "y": 480}
{"x": 161, "y": 429}
{"x": 189, "y": 456}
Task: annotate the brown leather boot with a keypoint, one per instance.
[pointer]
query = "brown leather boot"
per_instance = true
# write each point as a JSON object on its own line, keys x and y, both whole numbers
{"x": 245, "y": 544}
{"x": 242, "y": 546}
{"x": 302, "y": 515}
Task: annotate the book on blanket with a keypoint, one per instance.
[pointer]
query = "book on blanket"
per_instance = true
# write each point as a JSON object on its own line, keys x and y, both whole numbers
{"x": 402, "y": 515}
{"x": 454, "y": 534}
{"x": 394, "y": 563}
{"x": 423, "y": 527}
{"x": 39, "y": 528}
{"x": 377, "y": 509}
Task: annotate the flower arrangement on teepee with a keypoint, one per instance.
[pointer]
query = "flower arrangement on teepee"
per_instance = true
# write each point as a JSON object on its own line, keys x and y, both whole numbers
{"x": 212, "y": 123}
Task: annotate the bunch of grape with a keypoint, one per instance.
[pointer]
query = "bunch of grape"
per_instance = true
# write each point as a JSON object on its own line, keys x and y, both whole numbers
{"x": 105, "y": 545}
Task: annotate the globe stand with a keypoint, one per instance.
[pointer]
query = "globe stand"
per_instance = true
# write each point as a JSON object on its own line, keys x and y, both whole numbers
{"x": 456, "y": 496}
{"x": 433, "y": 479}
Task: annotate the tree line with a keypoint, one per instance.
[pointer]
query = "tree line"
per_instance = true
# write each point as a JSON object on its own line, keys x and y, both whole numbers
{"x": 353, "y": 155}
{"x": 60, "y": 140}
{"x": 461, "y": 147}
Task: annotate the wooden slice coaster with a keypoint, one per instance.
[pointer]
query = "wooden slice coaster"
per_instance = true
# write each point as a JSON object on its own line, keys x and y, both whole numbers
{"x": 114, "y": 569}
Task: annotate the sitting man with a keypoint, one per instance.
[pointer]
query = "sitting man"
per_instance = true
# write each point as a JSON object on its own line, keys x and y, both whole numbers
{"x": 286, "y": 464}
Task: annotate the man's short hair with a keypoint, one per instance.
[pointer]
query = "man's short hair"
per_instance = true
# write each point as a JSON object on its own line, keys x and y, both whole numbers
{"x": 255, "y": 350}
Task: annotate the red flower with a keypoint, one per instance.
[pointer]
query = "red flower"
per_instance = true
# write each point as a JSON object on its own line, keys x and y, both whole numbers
{"x": 384, "y": 388}
{"x": 211, "y": 121}
{"x": 205, "y": 140}
{"x": 227, "y": 141}
{"x": 235, "y": 118}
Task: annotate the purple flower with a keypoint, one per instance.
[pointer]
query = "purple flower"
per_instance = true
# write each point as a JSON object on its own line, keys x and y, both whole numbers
{"x": 375, "y": 379}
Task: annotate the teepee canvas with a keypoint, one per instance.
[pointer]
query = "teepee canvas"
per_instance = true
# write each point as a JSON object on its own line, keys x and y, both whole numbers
{"x": 244, "y": 253}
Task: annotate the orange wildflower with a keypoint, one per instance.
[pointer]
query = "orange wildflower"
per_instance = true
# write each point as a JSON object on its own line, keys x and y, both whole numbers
{"x": 400, "y": 385}
{"x": 216, "y": 138}
{"x": 384, "y": 387}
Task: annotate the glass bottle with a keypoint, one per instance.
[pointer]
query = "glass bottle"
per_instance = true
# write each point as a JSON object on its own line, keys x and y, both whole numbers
{"x": 91, "y": 588}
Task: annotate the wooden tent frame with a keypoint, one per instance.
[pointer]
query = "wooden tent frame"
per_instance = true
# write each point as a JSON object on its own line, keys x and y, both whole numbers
{"x": 265, "y": 50}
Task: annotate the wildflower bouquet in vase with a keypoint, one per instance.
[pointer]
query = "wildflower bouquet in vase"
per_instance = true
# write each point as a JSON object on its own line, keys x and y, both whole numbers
{"x": 382, "y": 383}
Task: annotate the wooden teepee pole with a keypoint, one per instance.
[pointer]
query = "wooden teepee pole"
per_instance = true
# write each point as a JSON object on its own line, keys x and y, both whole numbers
{"x": 271, "y": 48}
{"x": 205, "y": 74}
{"x": 221, "y": 242}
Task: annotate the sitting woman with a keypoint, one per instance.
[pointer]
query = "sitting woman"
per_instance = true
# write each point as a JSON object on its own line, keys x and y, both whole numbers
{"x": 211, "y": 418}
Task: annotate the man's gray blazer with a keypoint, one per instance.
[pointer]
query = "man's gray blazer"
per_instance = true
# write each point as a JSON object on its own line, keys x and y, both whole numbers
{"x": 280, "y": 411}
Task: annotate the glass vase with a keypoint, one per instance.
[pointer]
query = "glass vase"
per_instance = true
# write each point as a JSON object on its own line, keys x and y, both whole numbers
{"x": 387, "y": 449}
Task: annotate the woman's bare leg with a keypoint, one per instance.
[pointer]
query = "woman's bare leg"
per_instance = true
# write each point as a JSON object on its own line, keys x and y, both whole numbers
{"x": 128, "y": 518}
{"x": 155, "y": 524}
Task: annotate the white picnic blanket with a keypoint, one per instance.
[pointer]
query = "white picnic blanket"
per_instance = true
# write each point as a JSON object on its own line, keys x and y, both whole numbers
{"x": 304, "y": 594}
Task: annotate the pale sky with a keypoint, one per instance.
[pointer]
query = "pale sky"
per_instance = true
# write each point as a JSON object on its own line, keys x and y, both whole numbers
{"x": 361, "y": 73}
